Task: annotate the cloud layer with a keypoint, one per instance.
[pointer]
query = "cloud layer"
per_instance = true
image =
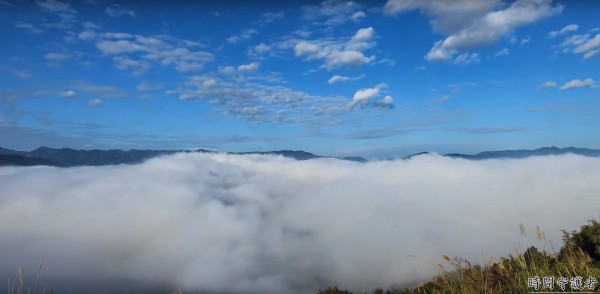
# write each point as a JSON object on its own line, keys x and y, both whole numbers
{"x": 259, "y": 224}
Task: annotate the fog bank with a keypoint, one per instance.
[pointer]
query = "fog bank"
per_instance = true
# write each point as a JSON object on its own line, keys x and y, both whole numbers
{"x": 262, "y": 224}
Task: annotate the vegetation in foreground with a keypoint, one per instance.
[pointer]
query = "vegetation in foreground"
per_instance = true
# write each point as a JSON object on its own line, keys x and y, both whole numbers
{"x": 575, "y": 268}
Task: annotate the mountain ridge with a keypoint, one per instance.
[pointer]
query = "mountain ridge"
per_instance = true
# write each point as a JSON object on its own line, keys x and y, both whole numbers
{"x": 68, "y": 157}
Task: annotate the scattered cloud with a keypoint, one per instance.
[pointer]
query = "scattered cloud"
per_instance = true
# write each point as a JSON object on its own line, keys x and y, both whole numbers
{"x": 466, "y": 58}
{"x": 549, "y": 84}
{"x": 437, "y": 101}
{"x": 259, "y": 236}
{"x": 95, "y": 102}
{"x": 473, "y": 24}
{"x": 502, "y": 52}
{"x": 56, "y": 57}
{"x": 333, "y": 12}
{"x": 62, "y": 10}
{"x": 23, "y": 74}
{"x": 248, "y": 68}
{"x": 582, "y": 44}
{"x": 149, "y": 86}
{"x": 104, "y": 91}
{"x": 262, "y": 48}
{"x": 247, "y": 34}
{"x": 386, "y": 102}
{"x": 339, "y": 53}
{"x": 67, "y": 94}
{"x": 119, "y": 10}
{"x": 365, "y": 97}
{"x": 135, "y": 52}
{"x": 250, "y": 101}
{"x": 566, "y": 29}
{"x": 576, "y": 83}
{"x": 269, "y": 17}
{"x": 138, "y": 67}
{"x": 28, "y": 27}
{"x": 339, "y": 79}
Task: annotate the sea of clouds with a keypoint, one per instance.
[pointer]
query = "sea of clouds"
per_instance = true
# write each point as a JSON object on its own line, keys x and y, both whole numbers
{"x": 218, "y": 223}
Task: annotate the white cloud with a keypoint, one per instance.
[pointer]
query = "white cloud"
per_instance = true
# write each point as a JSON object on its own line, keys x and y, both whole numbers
{"x": 247, "y": 34}
{"x": 119, "y": 47}
{"x": 248, "y": 68}
{"x": 227, "y": 70}
{"x": 466, "y": 58}
{"x": 339, "y": 79}
{"x": 180, "y": 54}
{"x": 357, "y": 16}
{"x": 590, "y": 47}
{"x": 549, "y": 84}
{"x": 350, "y": 58}
{"x": 448, "y": 16}
{"x": 147, "y": 86}
{"x": 29, "y": 27}
{"x": 502, "y": 52}
{"x": 364, "y": 97}
{"x": 269, "y": 17}
{"x": 576, "y": 83}
{"x": 566, "y": 29}
{"x": 387, "y": 102}
{"x": 56, "y": 57}
{"x": 67, "y": 94}
{"x": 472, "y": 24}
{"x": 237, "y": 224}
{"x": 139, "y": 67}
{"x": 333, "y": 12}
{"x": 61, "y": 9}
{"x": 95, "y": 102}
{"x": 118, "y": 10}
{"x": 338, "y": 53}
{"x": 262, "y": 48}
{"x": 437, "y": 101}
{"x": 306, "y": 48}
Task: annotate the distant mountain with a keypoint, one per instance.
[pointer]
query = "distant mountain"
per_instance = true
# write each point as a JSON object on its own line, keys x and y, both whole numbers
{"x": 20, "y": 160}
{"x": 66, "y": 157}
{"x": 528, "y": 153}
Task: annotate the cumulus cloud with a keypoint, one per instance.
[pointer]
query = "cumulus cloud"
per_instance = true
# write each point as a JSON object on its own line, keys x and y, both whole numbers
{"x": 472, "y": 24}
{"x": 365, "y": 96}
{"x": 248, "y": 68}
{"x": 227, "y": 224}
{"x": 340, "y": 79}
{"x": 576, "y": 83}
{"x": 566, "y": 29}
{"x": 339, "y": 53}
{"x": 386, "y": 102}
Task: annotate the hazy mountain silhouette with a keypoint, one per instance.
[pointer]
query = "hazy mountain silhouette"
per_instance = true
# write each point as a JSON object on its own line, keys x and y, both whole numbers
{"x": 66, "y": 157}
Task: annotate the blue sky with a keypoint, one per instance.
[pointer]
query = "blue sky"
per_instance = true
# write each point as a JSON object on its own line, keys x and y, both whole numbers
{"x": 374, "y": 79}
